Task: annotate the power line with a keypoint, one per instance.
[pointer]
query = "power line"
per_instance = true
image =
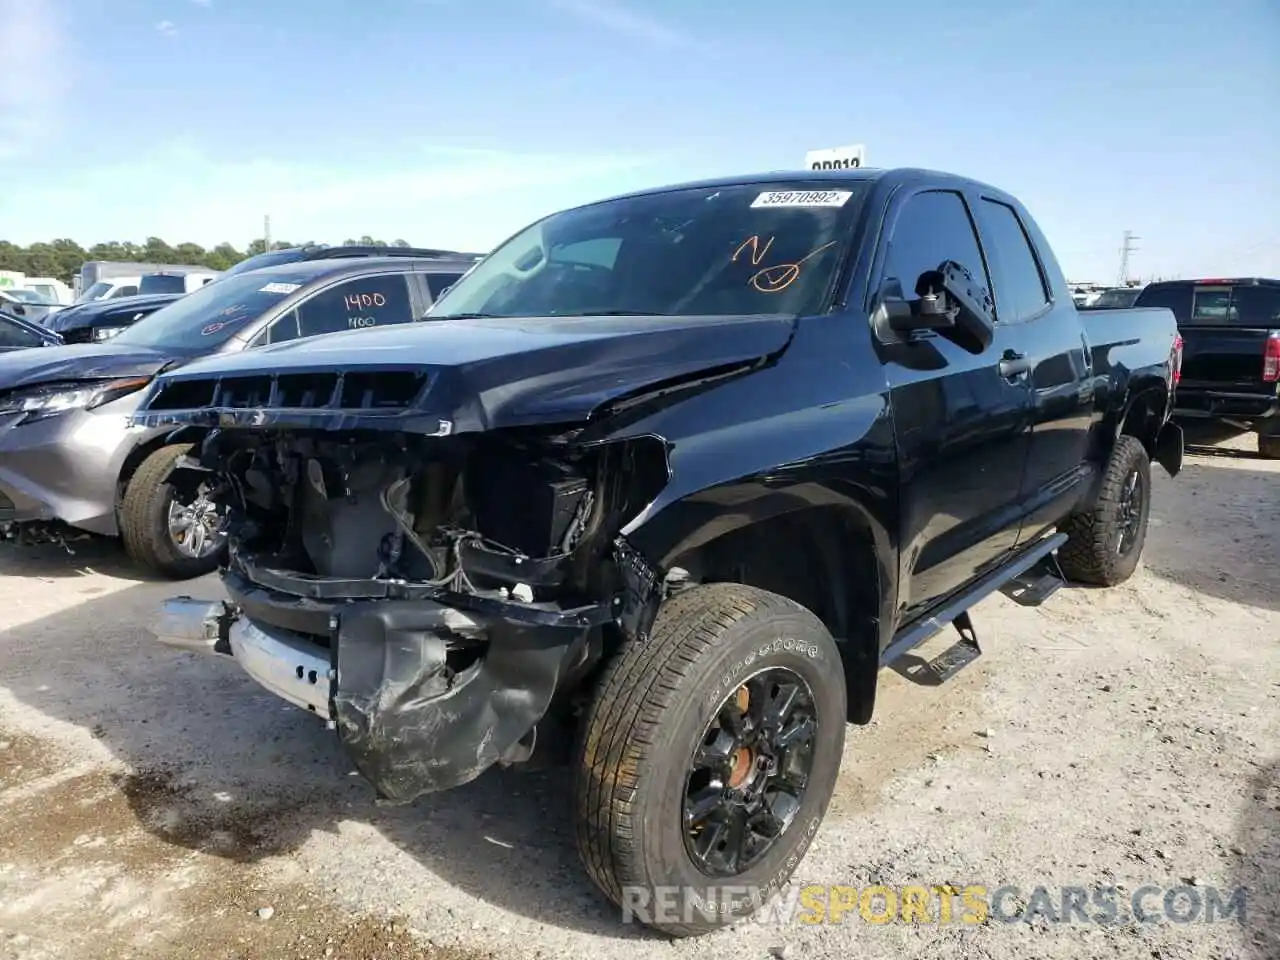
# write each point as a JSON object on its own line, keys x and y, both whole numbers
{"x": 1125, "y": 251}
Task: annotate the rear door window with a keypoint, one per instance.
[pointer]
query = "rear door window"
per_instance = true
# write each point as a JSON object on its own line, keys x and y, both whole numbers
{"x": 372, "y": 301}
{"x": 438, "y": 283}
{"x": 1020, "y": 287}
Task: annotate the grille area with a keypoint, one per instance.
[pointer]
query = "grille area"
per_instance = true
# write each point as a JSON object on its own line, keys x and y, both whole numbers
{"x": 381, "y": 390}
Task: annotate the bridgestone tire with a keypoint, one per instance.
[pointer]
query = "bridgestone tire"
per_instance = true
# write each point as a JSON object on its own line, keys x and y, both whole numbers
{"x": 144, "y": 520}
{"x": 1269, "y": 446}
{"x": 653, "y": 705}
{"x": 1090, "y": 554}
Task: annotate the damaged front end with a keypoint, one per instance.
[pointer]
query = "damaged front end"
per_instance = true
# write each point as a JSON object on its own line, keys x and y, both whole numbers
{"x": 430, "y": 596}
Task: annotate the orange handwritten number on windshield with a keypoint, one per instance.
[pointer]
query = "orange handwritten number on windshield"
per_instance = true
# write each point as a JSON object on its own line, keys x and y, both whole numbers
{"x": 777, "y": 278}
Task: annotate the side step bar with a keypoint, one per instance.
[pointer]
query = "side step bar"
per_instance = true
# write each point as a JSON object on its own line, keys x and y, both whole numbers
{"x": 1027, "y": 575}
{"x": 1037, "y": 585}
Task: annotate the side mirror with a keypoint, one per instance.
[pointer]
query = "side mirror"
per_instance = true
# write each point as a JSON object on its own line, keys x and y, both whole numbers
{"x": 951, "y": 302}
{"x": 19, "y": 309}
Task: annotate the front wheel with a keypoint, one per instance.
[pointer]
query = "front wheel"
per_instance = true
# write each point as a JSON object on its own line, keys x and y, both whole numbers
{"x": 169, "y": 525}
{"x": 1104, "y": 543}
{"x": 708, "y": 757}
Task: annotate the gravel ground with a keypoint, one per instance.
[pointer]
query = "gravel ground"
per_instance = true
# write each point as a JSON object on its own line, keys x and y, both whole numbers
{"x": 155, "y": 804}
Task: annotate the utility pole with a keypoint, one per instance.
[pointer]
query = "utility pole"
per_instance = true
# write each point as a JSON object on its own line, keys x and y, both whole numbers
{"x": 1125, "y": 250}
{"x": 266, "y": 231}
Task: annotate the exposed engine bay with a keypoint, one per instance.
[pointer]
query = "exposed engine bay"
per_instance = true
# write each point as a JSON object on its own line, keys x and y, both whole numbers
{"x": 480, "y": 516}
{"x": 447, "y": 587}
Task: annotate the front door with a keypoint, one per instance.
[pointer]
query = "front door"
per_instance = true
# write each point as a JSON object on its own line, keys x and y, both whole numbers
{"x": 962, "y": 427}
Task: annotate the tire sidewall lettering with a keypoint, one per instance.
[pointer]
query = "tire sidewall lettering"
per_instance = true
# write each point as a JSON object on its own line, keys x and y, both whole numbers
{"x": 783, "y": 644}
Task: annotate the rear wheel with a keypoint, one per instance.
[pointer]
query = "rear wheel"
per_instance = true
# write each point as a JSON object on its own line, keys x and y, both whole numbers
{"x": 1105, "y": 543}
{"x": 708, "y": 758}
{"x": 168, "y": 524}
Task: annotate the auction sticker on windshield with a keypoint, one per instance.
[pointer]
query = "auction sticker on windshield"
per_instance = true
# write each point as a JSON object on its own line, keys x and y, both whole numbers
{"x": 802, "y": 198}
{"x": 280, "y": 288}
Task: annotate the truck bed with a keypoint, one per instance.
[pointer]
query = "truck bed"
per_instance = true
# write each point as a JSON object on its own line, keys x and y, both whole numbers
{"x": 1128, "y": 338}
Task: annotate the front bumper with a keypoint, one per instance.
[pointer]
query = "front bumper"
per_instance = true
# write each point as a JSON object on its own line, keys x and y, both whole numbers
{"x": 423, "y": 696}
{"x": 66, "y": 467}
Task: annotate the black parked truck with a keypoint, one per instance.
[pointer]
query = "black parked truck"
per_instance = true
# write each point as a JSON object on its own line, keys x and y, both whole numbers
{"x": 1231, "y": 367}
{"x": 680, "y": 473}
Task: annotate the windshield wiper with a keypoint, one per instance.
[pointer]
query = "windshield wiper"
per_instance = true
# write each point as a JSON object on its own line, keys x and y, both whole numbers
{"x": 613, "y": 313}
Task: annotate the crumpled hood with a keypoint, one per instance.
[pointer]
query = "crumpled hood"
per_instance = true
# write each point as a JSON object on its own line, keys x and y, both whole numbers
{"x": 480, "y": 373}
{"x": 86, "y": 361}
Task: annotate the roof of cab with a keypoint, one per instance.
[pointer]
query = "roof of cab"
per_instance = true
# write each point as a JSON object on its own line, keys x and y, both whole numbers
{"x": 323, "y": 268}
{"x": 893, "y": 176}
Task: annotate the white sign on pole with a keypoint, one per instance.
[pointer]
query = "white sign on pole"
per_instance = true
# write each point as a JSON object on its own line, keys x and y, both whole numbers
{"x": 837, "y": 158}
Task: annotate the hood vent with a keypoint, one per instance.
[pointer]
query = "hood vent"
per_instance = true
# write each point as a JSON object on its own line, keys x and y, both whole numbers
{"x": 382, "y": 391}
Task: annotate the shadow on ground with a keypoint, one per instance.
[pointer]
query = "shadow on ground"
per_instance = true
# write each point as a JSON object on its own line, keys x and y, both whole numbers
{"x": 1213, "y": 530}
{"x": 1258, "y": 864}
{"x": 220, "y": 766}
{"x": 77, "y": 559}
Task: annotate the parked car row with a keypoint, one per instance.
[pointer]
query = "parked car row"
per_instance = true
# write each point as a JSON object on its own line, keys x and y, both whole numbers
{"x": 71, "y": 464}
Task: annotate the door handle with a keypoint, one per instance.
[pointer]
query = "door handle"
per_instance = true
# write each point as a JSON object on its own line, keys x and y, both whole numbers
{"x": 1013, "y": 364}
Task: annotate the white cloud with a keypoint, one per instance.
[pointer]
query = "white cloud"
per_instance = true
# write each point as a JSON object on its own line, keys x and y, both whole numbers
{"x": 34, "y": 76}
{"x": 446, "y": 196}
{"x": 166, "y": 28}
{"x": 619, "y": 18}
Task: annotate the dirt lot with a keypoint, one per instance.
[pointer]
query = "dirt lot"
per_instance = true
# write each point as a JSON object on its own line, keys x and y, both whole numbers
{"x": 158, "y": 805}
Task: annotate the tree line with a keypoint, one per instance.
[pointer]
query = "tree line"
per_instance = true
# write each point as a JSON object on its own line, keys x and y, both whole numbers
{"x": 63, "y": 258}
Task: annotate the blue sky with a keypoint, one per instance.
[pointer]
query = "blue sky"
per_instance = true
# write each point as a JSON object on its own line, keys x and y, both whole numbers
{"x": 455, "y": 122}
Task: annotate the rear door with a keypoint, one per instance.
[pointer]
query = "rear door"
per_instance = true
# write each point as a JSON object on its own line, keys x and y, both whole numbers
{"x": 962, "y": 426}
{"x": 355, "y": 303}
{"x": 1046, "y": 333}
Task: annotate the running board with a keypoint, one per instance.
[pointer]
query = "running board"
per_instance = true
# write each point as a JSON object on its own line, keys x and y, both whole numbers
{"x": 955, "y": 611}
{"x": 1037, "y": 585}
{"x": 957, "y": 656}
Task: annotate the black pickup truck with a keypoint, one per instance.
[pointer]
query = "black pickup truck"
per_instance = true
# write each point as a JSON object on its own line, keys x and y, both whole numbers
{"x": 1231, "y": 366}
{"x": 679, "y": 473}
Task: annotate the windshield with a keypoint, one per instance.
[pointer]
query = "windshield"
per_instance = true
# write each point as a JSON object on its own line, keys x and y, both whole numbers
{"x": 95, "y": 292}
{"x": 28, "y": 296}
{"x": 261, "y": 260}
{"x": 208, "y": 317}
{"x": 1113, "y": 299}
{"x": 745, "y": 249}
